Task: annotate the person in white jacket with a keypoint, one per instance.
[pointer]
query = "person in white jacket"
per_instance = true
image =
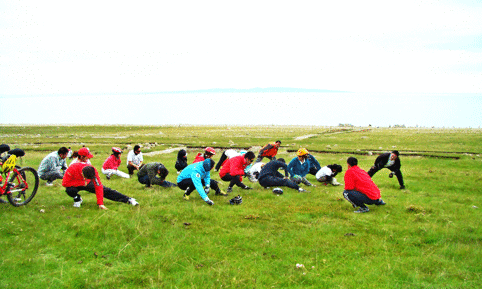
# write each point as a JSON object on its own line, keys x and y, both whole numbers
{"x": 327, "y": 174}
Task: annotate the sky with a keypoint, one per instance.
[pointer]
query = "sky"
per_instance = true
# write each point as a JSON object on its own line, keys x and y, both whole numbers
{"x": 422, "y": 54}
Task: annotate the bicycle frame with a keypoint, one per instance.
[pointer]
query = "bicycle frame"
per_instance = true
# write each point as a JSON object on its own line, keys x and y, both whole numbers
{"x": 5, "y": 188}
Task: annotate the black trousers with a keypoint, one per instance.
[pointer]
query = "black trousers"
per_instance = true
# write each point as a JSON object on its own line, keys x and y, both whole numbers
{"x": 109, "y": 193}
{"x": 397, "y": 173}
{"x": 277, "y": 181}
{"x": 358, "y": 199}
{"x": 187, "y": 183}
{"x": 233, "y": 180}
{"x": 221, "y": 161}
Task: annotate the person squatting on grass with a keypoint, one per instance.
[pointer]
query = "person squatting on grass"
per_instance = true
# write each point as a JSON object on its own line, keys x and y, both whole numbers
{"x": 134, "y": 159}
{"x": 300, "y": 166}
{"x": 227, "y": 154}
{"x": 391, "y": 161}
{"x": 209, "y": 152}
{"x": 148, "y": 175}
{"x": 327, "y": 174}
{"x": 270, "y": 177}
{"x": 233, "y": 170}
{"x": 53, "y": 166}
{"x": 197, "y": 177}
{"x": 181, "y": 161}
{"x": 112, "y": 163}
{"x": 360, "y": 190}
{"x": 84, "y": 177}
{"x": 269, "y": 151}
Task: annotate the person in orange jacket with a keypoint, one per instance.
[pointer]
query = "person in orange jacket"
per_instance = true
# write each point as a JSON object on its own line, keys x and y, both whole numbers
{"x": 268, "y": 151}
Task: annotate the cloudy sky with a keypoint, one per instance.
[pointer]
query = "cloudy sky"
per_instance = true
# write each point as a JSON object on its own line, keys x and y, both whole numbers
{"x": 100, "y": 48}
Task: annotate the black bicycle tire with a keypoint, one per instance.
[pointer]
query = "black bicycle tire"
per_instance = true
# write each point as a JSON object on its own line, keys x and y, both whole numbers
{"x": 10, "y": 196}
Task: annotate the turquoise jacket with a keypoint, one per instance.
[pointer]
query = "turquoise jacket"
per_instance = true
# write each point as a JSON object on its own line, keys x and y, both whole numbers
{"x": 197, "y": 174}
{"x": 296, "y": 168}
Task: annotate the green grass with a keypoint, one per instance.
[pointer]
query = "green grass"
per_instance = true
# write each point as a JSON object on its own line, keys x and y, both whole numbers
{"x": 427, "y": 236}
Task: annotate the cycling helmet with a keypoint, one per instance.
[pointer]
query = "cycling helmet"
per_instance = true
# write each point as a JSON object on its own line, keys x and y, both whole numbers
{"x": 116, "y": 150}
{"x": 302, "y": 152}
{"x": 210, "y": 150}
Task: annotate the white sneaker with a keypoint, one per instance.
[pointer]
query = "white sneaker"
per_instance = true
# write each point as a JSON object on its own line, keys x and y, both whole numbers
{"x": 49, "y": 184}
{"x": 133, "y": 202}
{"x": 77, "y": 204}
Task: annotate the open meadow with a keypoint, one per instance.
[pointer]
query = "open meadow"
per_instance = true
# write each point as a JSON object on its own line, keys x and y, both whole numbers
{"x": 427, "y": 236}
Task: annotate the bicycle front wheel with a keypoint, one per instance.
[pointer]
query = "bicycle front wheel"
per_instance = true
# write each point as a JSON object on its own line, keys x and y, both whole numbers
{"x": 25, "y": 186}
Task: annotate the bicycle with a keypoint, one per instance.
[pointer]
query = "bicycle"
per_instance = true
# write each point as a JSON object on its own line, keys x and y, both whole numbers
{"x": 21, "y": 184}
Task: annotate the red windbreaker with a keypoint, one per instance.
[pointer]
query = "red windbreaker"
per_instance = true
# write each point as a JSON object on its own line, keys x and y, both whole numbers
{"x": 269, "y": 150}
{"x": 73, "y": 177}
{"x": 234, "y": 166}
{"x": 358, "y": 180}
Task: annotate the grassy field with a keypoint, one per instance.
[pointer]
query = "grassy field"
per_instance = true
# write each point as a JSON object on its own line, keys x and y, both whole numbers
{"x": 427, "y": 236}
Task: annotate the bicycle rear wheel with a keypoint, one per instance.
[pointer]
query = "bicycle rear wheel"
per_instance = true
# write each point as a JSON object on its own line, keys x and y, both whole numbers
{"x": 25, "y": 186}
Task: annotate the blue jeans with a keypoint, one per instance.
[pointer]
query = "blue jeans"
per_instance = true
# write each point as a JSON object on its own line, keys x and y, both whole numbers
{"x": 358, "y": 199}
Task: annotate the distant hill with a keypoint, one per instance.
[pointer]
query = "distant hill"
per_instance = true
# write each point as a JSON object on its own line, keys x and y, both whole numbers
{"x": 253, "y": 90}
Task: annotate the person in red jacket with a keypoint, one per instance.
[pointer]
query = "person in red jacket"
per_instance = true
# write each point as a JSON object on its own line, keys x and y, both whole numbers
{"x": 232, "y": 170}
{"x": 84, "y": 177}
{"x": 209, "y": 152}
{"x": 269, "y": 151}
{"x": 360, "y": 190}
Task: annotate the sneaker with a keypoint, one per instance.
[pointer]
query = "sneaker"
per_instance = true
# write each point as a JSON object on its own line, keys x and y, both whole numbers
{"x": 229, "y": 190}
{"x": 186, "y": 197}
{"x": 402, "y": 187}
{"x": 301, "y": 190}
{"x": 247, "y": 188}
{"x": 220, "y": 193}
{"x": 107, "y": 177}
{"x": 49, "y": 184}
{"x": 380, "y": 202}
{"x": 133, "y": 202}
{"x": 362, "y": 210}
{"x": 77, "y": 204}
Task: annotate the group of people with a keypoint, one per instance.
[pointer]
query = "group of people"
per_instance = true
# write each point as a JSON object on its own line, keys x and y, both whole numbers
{"x": 233, "y": 166}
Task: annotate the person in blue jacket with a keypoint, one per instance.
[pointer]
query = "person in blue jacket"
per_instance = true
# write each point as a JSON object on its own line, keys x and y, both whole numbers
{"x": 197, "y": 177}
{"x": 315, "y": 165}
{"x": 300, "y": 166}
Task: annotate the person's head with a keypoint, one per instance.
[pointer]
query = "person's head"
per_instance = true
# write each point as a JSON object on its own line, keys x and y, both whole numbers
{"x": 281, "y": 160}
{"x": 208, "y": 164}
{"x": 84, "y": 154}
{"x": 75, "y": 154}
{"x": 335, "y": 168}
{"x": 352, "y": 161}
{"x": 277, "y": 143}
{"x": 162, "y": 172}
{"x": 209, "y": 152}
{"x": 116, "y": 151}
{"x": 394, "y": 155}
{"x": 249, "y": 157}
{"x": 182, "y": 154}
{"x": 137, "y": 149}
{"x": 63, "y": 152}
{"x": 88, "y": 172}
{"x": 302, "y": 154}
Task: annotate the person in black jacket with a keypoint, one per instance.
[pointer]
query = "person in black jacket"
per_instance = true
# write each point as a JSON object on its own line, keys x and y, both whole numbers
{"x": 181, "y": 162}
{"x": 390, "y": 161}
{"x": 270, "y": 177}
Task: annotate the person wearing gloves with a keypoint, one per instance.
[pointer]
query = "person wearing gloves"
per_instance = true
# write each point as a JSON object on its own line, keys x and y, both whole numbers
{"x": 326, "y": 175}
{"x": 112, "y": 163}
{"x": 154, "y": 174}
{"x": 390, "y": 161}
{"x": 209, "y": 152}
{"x": 271, "y": 177}
{"x": 360, "y": 190}
{"x": 83, "y": 177}
{"x": 233, "y": 170}
{"x": 197, "y": 177}
{"x": 300, "y": 166}
{"x": 53, "y": 166}
{"x": 181, "y": 161}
